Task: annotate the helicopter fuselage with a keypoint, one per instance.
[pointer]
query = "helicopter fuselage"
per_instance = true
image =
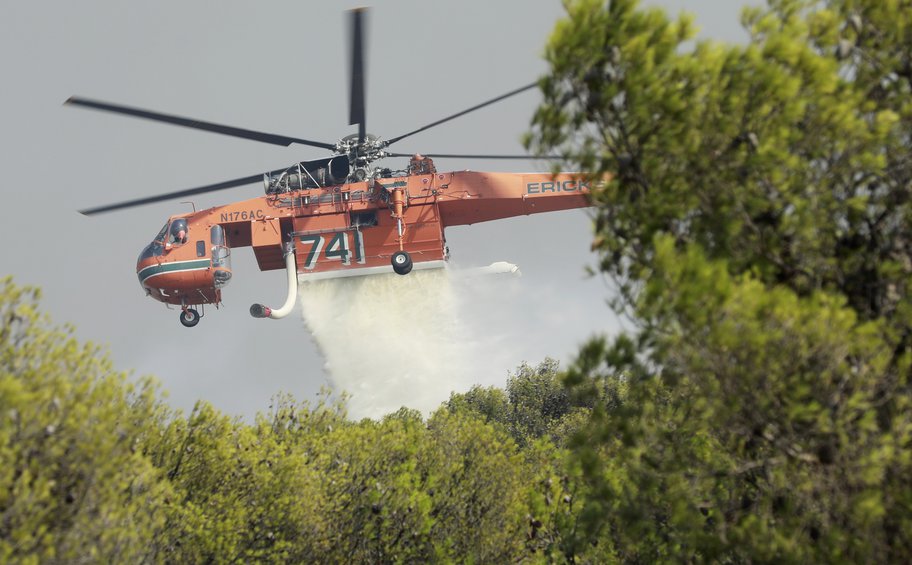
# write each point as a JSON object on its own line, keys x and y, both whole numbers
{"x": 334, "y": 216}
{"x": 351, "y": 229}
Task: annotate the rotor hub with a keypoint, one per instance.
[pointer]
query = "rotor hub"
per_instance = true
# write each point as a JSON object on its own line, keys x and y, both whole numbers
{"x": 361, "y": 153}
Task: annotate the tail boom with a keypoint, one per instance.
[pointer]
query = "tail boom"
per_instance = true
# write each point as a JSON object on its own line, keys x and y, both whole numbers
{"x": 472, "y": 197}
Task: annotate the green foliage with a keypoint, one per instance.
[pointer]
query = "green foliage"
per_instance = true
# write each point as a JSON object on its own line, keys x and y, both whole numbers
{"x": 73, "y": 482}
{"x": 759, "y": 436}
{"x": 95, "y": 468}
{"x": 536, "y": 404}
{"x": 787, "y": 157}
{"x": 757, "y": 224}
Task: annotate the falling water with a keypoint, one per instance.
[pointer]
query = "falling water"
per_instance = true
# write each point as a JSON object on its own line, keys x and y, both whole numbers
{"x": 391, "y": 341}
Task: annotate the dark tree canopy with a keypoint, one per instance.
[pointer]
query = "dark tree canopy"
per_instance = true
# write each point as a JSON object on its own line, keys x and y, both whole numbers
{"x": 788, "y": 157}
{"x": 757, "y": 225}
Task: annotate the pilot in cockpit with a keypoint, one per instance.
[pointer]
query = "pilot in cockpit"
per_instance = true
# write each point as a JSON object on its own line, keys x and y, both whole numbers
{"x": 178, "y": 232}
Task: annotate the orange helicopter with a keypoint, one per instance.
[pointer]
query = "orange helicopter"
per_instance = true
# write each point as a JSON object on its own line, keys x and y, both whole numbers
{"x": 332, "y": 217}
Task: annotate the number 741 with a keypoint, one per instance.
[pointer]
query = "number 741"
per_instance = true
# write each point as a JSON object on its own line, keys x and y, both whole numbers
{"x": 338, "y": 248}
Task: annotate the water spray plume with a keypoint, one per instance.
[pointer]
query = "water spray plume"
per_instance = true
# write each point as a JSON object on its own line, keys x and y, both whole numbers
{"x": 392, "y": 341}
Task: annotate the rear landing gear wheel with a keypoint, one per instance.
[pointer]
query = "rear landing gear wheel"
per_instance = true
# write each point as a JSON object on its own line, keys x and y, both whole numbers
{"x": 189, "y": 317}
{"x": 402, "y": 263}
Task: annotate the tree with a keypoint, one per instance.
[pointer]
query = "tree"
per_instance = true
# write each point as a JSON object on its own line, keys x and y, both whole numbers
{"x": 96, "y": 468}
{"x": 787, "y": 157}
{"x": 74, "y": 485}
{"x": 535, "y": 404}
{"x": 402, "y": 490}
{"x": 757, "y": 226}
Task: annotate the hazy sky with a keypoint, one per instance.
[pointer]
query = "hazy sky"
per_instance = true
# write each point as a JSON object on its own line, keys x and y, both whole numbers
{"x": 279, "y": 67}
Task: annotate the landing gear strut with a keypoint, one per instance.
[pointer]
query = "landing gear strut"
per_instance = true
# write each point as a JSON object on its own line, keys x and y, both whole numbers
{"x": 402, "y": 262}
{"x": 189, "y": 317}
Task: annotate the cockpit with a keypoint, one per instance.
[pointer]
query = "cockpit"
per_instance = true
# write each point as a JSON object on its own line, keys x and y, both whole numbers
{"x": 186, "y": 265}
{"x": 174, "y": 232}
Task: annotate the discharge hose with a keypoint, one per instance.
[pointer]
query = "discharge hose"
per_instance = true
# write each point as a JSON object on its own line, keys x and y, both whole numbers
{"x": 262, "y": 311}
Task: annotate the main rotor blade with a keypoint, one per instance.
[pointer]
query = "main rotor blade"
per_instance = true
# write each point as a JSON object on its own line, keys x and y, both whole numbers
{"x": 194, "y": 124}
{"x": 468, "y": 156}
{"x": 178, "y": 194}
{"x": 464, "y": 112}
{"x": 356, "y": 111}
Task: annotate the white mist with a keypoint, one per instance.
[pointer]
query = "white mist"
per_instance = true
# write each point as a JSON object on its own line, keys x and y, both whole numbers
{"x": 391, "y": 341}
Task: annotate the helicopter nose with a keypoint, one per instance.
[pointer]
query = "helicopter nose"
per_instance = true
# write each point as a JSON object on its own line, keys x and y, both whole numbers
{"x": 158, "y": 281}
{"x": 164, "y": 274}
{"x": 170, "y": 281}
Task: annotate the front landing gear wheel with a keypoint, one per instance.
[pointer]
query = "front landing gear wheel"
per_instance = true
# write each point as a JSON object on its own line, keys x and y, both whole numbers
{"x": 402, "y": 263}
{"x": 189, "y": 317}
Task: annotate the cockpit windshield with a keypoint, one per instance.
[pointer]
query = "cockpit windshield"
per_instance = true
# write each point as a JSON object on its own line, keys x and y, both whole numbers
{"x": 161, "y": 234}
{"x": 174, "y": 232}
{"x": 154, "y": 249}
{"x": 157, "y": 247}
